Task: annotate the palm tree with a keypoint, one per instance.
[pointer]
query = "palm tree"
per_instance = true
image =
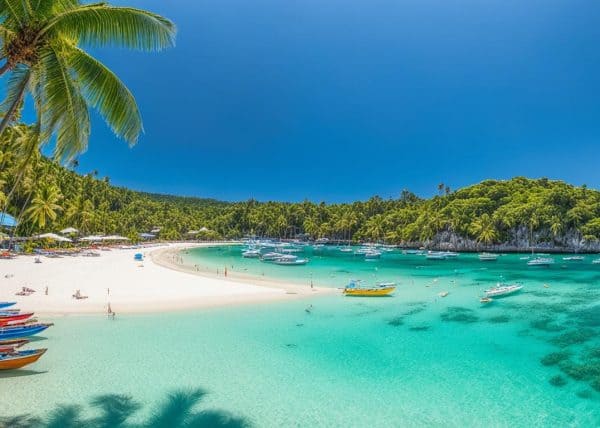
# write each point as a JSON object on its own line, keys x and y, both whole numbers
{"x": 44, "y": 205}
{"x": 40, "y": 45}
{"x": 484, "y": 229}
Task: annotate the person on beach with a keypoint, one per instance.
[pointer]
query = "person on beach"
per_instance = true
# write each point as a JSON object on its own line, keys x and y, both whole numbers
{"x": 225, "y": 271}
{"x": 46, "y": 291}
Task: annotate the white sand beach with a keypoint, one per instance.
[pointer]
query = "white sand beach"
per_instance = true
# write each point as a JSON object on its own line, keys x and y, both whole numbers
{"x": 156, "y": 284}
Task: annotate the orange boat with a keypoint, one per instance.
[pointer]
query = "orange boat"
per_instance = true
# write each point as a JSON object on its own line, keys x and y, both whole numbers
{"x": 16, "y": 360}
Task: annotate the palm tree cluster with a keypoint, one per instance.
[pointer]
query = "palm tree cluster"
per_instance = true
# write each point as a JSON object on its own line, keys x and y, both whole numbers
{"x": 50, "y": 197}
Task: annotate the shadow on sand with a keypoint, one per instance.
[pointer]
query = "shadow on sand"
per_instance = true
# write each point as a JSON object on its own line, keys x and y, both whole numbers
{"x": 178, "y": 410}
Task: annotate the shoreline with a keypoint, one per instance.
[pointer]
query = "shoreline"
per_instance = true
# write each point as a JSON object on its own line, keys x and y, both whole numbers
{"x": 156, "y": 285}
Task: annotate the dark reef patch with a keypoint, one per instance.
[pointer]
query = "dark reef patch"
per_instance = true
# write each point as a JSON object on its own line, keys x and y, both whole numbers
{"x": 459, "y": 314}
{"x": 396, "y": 322}
{"x": 546, "y": 324}
{"x": 419, "y": 328}
{"x": 499, "y": 319}
{"x": 558, "y": 381}
{"x": 573, "y": 337}
{"x": 555, "y": 358}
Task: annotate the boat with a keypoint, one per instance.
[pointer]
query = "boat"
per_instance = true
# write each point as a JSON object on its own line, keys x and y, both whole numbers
{"x": 443, "y": 293}
{"x": 267, "y": 257}
{"x": 7, "y": 304}
{"x": 289, "y": 260}
{"x": 346, "y": 250}
{"x": 12, "y": 345}
{"x": 574, "y": 258}
{"x": 450, "y": 254}
{"x": 434, "y": 255}
{"x": 596, "y": 262}
{"x": 6, "y": 319}
{"x": 488, "y": 257}
{"x": 251, "y": 254}
{"x": 486, "y": 300}
{"x": 15, "y": 332}
{"x": 355, "y": 289}
{"x": 503, "y": 290}
{"x": 541, "y": 261}
{"x": 18, "y": 359}
{"x": 372, "y": 255}
{"x": 386, "y": 284}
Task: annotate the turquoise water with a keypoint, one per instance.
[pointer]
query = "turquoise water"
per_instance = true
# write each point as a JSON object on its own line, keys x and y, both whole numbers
{"x": 414, "y": 359}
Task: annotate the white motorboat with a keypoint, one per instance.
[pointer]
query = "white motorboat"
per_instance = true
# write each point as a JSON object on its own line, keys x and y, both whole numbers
{"x": 289, "y": 260}
{"x": 372, "y": 255}
{"x": 541, "y": 261}
{"x": 574, "y": 258}
{"x": 488, "y": 257}
{"x": 267, "y": 257}
{"x": 251, "y": 254}
{"x": 450, "y": 254}
{"x": 435, "y": 255}
{"x": 502, "y": 290}
{"x": 596, "y": 262}
{"x": 346, "y": 250}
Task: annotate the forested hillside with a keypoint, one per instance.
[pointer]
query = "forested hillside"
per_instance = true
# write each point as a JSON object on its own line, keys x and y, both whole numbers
{"x": 517, "y": 213}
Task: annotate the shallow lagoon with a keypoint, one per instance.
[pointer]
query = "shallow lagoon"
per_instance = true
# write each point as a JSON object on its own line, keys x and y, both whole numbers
{"x": 415, "y": 359}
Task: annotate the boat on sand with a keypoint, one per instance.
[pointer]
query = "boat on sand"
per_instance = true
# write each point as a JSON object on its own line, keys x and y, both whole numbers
{"x": 18, "y": 359}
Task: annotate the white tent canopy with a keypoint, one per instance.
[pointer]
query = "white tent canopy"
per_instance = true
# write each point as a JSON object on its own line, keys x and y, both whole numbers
{"x": 69, "y": 230}
{"x": 91, "y": 238}
{"x": 115, "y": 238}
{"x": 52, "y": 236}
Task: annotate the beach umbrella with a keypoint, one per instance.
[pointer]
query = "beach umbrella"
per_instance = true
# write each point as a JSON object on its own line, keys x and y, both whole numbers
{"x": 69, "y": 230}
{"x": 7, "y": 220}
{"x": 52, "y": 236}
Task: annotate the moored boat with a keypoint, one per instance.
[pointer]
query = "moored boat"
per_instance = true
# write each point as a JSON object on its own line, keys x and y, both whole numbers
{"x": 7, "y": 304}
{"x": 541, "y": 261}
{"x": 289, "y": 260}
{"x": 355, "y": 289}
{"x": 11, "y": 345}
{"x": 486, "y": 300}
{"x": 435, "y": 255}
{"x": 251, "y": 254}
{"x": 18, "y": 359}
{"x": 574, "y": 258}
{"x": 503, "y": 290}
{"x": 488, "y": 257}
{"x": 596, "y": 262}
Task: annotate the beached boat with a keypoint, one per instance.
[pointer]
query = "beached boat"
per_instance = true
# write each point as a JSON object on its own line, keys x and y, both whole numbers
{"x": 355, "y": 289}
{"x": 18, "y": 359}
{"x": 488, "y": 257}
{"x": 15, "y": 332}
{"x": 7, "y": 304}
{"x": 9, "y": 318}
{"x": 574, "y": 258}
{"x": 503, "y": 290}
{"x": 541, "y": 261}
{"x": 11, "y": 345}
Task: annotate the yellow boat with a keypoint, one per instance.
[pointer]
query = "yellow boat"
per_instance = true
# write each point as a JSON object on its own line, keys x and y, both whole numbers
{"x": 380, "y": 290}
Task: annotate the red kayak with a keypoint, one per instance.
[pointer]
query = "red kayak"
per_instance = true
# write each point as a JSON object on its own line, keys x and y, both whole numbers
{"x": 7, "y": 319}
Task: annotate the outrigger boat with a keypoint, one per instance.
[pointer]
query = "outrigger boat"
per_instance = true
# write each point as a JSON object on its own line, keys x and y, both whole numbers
{"x": 11, "y": 345}
{"x": 7, "y": 304}
{"x": 382, "y": 289}
{"x": 15, "y": 332}
{"x": 18, "y": 359}
{"x": 9, "y": 318}
{"x": 502, "y": 290}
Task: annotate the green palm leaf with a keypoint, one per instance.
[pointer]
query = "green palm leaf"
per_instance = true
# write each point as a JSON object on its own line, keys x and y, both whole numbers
{"x": 101, "y": 25}
{"x": 64, "y": 107}
{"x": 104, "y": 91}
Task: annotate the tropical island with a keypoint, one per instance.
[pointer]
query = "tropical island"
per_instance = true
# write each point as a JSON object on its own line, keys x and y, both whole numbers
{"x": 127, "y": 306}
{"x": 502, "y": 215}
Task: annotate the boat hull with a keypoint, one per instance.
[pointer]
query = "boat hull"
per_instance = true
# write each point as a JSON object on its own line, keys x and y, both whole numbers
{"x": 18, "y": 361}
{"x": 369, "y": 292}
{"x": 21, "y": 331}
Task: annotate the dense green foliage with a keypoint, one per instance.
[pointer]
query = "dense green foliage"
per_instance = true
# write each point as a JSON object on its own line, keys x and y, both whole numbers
{"x": 50, "y": 197}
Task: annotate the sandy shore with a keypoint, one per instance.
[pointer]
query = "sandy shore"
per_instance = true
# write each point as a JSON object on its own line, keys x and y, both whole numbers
{"x": 157, "y": 284}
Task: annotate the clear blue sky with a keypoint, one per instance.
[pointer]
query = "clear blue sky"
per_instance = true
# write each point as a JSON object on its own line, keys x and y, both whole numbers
{"x": 339, "y": 100}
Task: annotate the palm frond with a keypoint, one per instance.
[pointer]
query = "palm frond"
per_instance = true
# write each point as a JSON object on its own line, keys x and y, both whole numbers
{"x": 14, "y": 10}
{"x": 104, "y": 91}
{"x": 15, "y": 88}
{"x": 48, "y": 8}
{"x": 65, "y": 112}
{"x": 101, "y": 25}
